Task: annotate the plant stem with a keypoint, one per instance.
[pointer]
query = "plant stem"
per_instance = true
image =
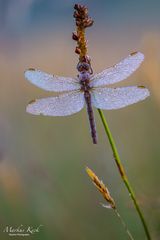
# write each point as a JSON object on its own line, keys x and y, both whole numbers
{"x": 122, "y": 172}
{"x": 124, "y": 224}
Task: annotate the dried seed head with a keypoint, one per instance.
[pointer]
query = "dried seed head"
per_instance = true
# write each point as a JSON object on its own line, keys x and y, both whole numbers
{"x": 76, "y": 15}
{"x": 81, "y": 8}
{"x": 77, "y": 50}
{"x": 81, "y": 16}
{"x": 101, "y": 187}
{"x": 89, "y": 22}
{"x": 76, "y": 6}
{"x": 78, "y": 23}
{"x": 74, "y": 36}
{"x": 82, "y": 21}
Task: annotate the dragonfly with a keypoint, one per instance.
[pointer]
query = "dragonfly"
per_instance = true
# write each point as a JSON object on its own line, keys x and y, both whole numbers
{"x": 87, "y": 89}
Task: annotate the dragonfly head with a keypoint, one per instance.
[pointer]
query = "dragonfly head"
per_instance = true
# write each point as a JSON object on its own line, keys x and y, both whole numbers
{"x": 83, "y": 67}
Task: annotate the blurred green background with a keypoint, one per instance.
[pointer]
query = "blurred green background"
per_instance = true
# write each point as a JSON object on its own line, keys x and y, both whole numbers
{"x": 43, "y": 159}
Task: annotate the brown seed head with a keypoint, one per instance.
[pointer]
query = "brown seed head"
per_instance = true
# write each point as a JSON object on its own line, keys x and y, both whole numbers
{"x": 77, "y": 50}
{"x": 82, "y": 21}
{"x": 74, "y": 36}
{"x": 81, "y": 16}
{"x": 101, "y": 187}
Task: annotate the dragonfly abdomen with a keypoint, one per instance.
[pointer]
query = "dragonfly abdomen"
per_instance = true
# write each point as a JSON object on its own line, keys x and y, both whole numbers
{"x": 87, "y": 97}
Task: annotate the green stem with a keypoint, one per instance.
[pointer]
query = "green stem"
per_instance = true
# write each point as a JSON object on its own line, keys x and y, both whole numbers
{"x": 122, "y": 173}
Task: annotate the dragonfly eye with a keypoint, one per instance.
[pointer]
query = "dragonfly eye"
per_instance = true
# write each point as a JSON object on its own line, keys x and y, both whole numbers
{"x": 83, "y": 67}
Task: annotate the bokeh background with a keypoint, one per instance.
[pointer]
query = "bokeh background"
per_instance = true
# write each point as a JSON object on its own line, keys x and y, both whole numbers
{"x": 43, "y": 159}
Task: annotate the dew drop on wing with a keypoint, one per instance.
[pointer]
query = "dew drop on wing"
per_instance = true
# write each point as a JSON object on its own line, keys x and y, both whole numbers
{"x": 115, "y": 98}
{"x": 50, "y": 82}
{"x": 118, "y": 72}
{"x": 62, "y": 105}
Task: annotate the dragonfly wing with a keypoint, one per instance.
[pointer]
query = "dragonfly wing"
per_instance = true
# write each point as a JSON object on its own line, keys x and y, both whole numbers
{"x": 51, "y": 82}
{"x": 118, "y": 72}
{"x": 115, "y": 98}
{"x": 62, "y": 105}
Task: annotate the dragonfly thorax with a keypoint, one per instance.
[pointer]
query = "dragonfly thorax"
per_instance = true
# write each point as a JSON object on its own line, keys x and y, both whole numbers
{"x": 84, "y": 79}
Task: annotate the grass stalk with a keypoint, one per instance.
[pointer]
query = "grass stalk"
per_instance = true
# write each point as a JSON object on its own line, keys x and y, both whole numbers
{"x": 124, "y": 224}
{"x": 110, "y": 201}
{"x": 122, "y": 172}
